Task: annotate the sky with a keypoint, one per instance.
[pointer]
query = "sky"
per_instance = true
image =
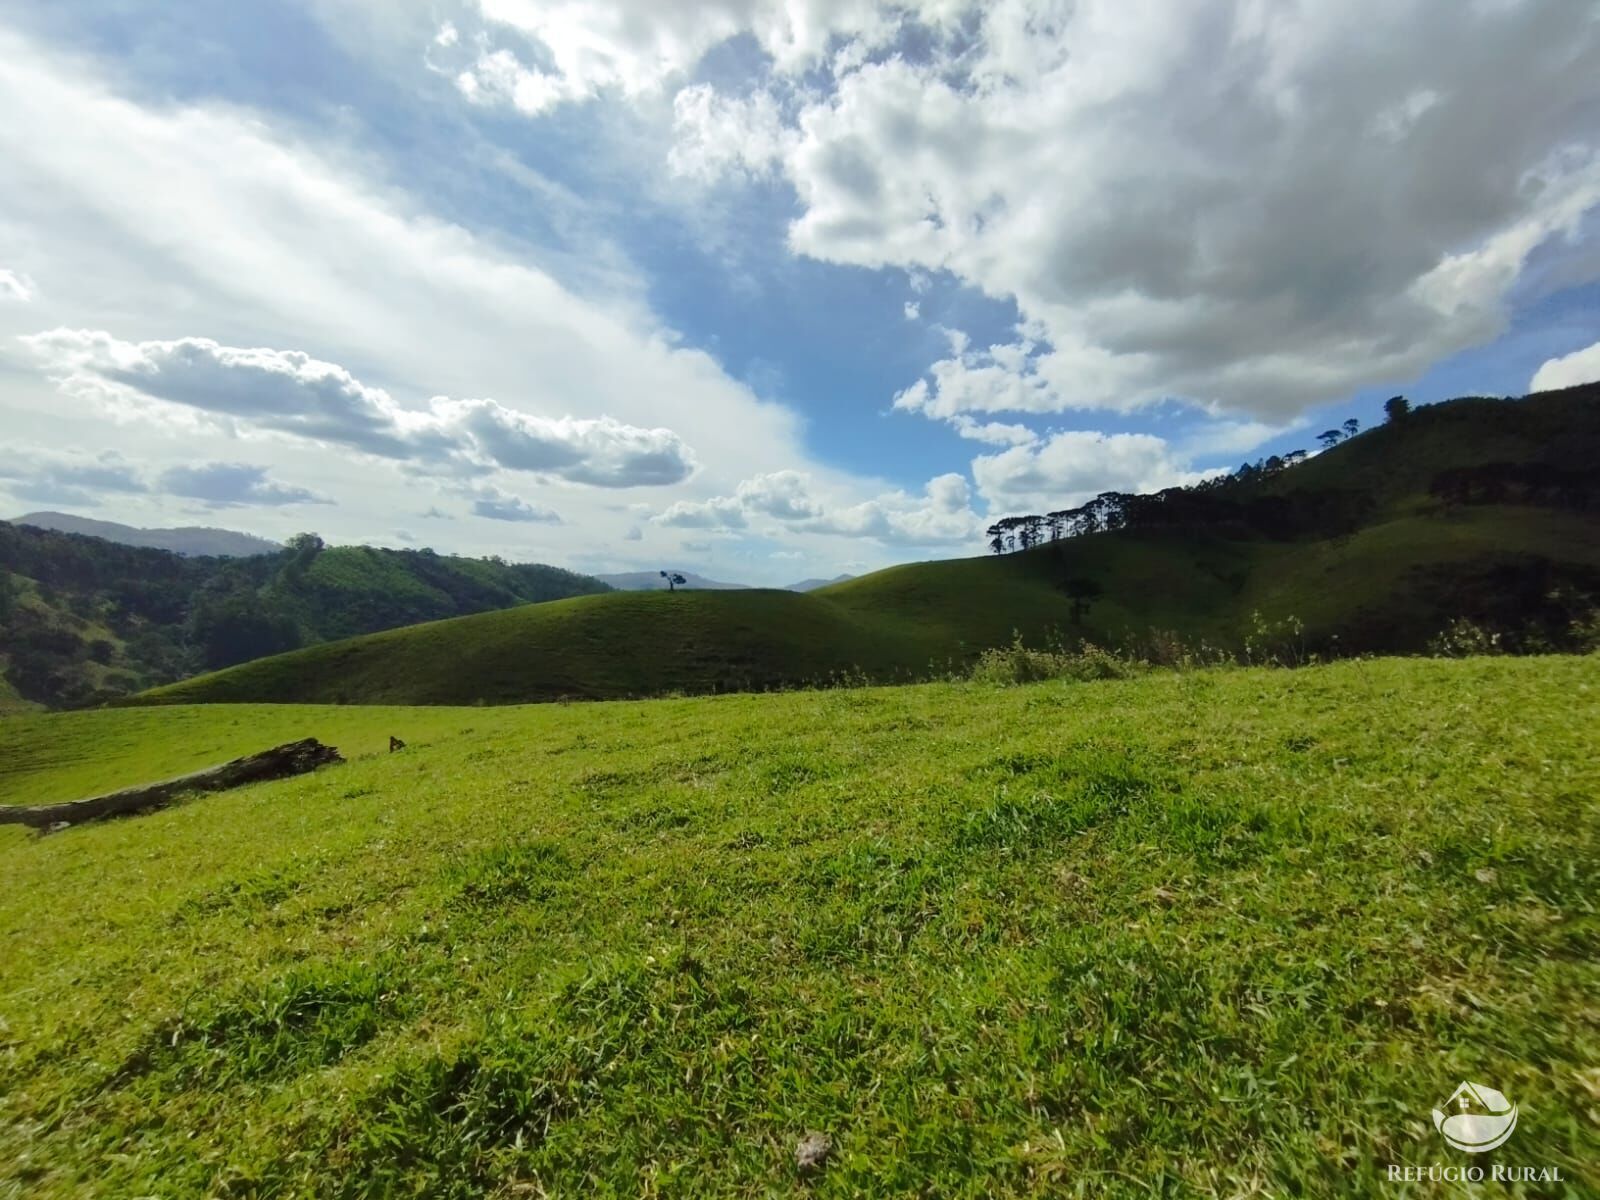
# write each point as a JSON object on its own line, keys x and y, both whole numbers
{"x": 763, "y": 289}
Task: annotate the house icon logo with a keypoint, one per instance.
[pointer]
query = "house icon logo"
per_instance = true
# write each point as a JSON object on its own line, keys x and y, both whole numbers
{"x": 1483, "y": 1118}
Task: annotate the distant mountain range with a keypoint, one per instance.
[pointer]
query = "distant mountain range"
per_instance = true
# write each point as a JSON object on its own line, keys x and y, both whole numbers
{"x": 811, "y": 585}
{"x": 196, "y": 541}
{"x": 192, "y": 541}
{"x": 651, "y": 581}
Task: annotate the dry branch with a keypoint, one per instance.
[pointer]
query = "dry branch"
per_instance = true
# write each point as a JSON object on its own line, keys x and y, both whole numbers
{"x": 292, "y": 758}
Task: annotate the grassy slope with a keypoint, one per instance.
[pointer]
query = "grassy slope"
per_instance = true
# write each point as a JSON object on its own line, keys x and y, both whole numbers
{"x": 1372, "y": 574}
{"x": 1396, "y": 463}
{"x": 618, "y": 644}
{"x": 905, "y": 622}
{"x": 897, "y": 623}
{"x": 10, "y": 702}
{"x": 1210, "y": 934}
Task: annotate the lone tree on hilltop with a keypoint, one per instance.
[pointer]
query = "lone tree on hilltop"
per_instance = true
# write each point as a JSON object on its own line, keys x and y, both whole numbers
{"x": 1329, "y": 438}
{"x": 300, "y": 552}
{"x": 673, "y": 580}
{"x": 1396, "y": 408}
{"x": 1084, "y": 592}
{"x": 1352, "y": 427}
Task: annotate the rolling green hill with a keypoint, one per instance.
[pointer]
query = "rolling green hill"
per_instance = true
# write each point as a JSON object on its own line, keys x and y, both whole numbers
{"x": 1395, "y": 463}
{"x": 85, "y": 620}
{"x": 1207, "y": 934}
{"x": 591, "y": 647}
{"x": 1389, "y": 585}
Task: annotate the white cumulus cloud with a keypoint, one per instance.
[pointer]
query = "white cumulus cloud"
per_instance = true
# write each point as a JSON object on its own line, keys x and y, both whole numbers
{"x": 585, "y": 48}
{"x": 1070, "y": 467}
{"x": 289, "y": 392}
{"x": 941, "y": 516}
{"x": 714, "y": 134}
{"x": 1581, "y": 366}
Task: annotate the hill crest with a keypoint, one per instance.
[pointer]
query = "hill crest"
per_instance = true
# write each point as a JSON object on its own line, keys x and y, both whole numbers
{"x": 191, "y": 541}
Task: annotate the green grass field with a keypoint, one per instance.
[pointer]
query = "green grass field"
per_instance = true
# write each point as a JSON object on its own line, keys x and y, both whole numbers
{"x": 914, "y": 622}
{"x": 1220, "y": 933}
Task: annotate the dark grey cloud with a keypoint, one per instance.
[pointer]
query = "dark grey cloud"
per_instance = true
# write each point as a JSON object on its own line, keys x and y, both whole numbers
{"x": 497, "y": 506}
{"x": 233, "y": 485}
{"x": 78, "y": 482}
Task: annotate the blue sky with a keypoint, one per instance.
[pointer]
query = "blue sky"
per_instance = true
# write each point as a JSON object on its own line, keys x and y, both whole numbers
{"x": 763, "y": 290}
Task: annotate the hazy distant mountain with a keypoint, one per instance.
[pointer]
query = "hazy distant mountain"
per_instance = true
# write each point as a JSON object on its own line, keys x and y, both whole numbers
{"x": 811, "y": 585}
{"x": 191, "y": 541}
{"x": 650, "y": 581}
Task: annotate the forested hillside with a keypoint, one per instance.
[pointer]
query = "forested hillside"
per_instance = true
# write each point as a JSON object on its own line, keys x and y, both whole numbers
{"x": 84, "y": 620}
{"x": 1541, "y": 451}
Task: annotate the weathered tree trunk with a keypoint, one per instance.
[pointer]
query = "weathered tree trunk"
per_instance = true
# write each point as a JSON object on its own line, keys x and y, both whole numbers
{"x": 292, "y": 758}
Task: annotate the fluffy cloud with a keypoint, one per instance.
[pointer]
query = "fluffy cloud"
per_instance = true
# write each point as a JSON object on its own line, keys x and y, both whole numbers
{"x": 1253, "y": 208}
{"x": 634, "y": 47}
{"x": 993, "y": 381}
{"x": 1011, "y": 377}
{"x": 941, "y": 516}
{"x": 289, "y": 392}
{"x": 1071, "y": 467}
{"x": 782, "y": 494}
{"x": 233, "y": 485}
{"x": 1581, "y": 366}
{"x": 14, "y": 285}
{"x": 602, "y": 452}
{"x": 716, "y": 134}
{"x": 996, "y": 433}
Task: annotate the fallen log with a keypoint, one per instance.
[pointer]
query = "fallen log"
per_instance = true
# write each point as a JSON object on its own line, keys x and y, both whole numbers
{"x": 292, "y": 758}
